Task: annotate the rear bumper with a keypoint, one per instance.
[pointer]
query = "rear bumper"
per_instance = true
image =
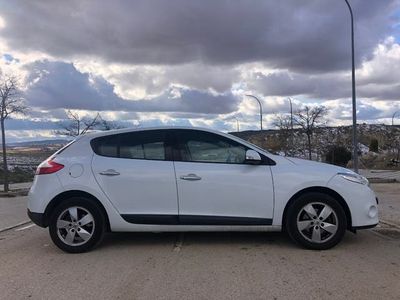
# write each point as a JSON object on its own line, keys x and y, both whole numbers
{"x": 37, "y": 218}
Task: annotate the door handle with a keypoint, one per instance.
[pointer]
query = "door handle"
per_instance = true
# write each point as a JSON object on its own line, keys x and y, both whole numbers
{"x": 109, "y": 172}
{"x": 190, "y": 177}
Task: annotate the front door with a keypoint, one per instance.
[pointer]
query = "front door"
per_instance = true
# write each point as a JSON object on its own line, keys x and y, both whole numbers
{"x": 215, "y": 184}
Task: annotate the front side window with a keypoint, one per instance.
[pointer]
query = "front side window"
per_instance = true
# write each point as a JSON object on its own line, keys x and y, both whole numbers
{"x": 149, "y": 144}
{"x": 198, "y": 146}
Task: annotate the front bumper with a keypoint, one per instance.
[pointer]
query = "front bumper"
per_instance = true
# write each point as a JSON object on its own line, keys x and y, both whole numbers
{"x": 364, "y": 227}
{"x": 37, "y": 218}
{"x": 361, "y": 201}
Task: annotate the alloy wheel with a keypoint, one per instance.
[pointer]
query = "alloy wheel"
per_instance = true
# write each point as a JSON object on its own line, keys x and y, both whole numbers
{"x": 317, "y": 222}
{"x": 75, "y": 226}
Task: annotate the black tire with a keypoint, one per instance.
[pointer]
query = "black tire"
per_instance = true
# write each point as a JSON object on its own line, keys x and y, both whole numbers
{"x": 96, "y": 228}
{"x": 305, "y": 237}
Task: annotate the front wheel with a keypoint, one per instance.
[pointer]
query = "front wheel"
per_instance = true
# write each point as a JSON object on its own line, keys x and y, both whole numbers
{"x": 316, "y": 221}
{"x": 77, "y": 225}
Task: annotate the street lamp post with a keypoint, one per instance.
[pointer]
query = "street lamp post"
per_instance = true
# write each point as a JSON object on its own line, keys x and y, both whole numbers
{"x": 394, "y": 115}
{"x": 353, "y": 78}
{"x": 237, "y": 124}
{"x": 261, "y": 113}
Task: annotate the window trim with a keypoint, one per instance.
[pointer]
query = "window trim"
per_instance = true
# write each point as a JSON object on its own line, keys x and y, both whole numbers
{"x": 172, "y": 148}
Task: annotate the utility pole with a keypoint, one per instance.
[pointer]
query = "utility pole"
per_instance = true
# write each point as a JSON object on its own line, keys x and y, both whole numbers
{"x": 398, "y": 148}
{"x": 291, "y": 125}
{"x": 353, "y": 79}
{"x": 261, "y": 113}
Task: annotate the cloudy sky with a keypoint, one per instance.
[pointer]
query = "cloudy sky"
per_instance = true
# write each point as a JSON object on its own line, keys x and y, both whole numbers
{"x": 180, "y": 62}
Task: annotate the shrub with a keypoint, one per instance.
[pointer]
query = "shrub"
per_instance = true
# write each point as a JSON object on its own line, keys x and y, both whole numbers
{"x": 373, "y": 145}
{"x": 17, "y": 175}
{"x": 338, "y": 155}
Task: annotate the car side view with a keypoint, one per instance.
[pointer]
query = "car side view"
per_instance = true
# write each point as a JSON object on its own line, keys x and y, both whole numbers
{"x": 192, "y": 179}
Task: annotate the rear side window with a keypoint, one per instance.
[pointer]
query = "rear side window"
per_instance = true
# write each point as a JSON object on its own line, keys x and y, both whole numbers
{"x": 142, "y": 145}
{"x": 133, "y": 145}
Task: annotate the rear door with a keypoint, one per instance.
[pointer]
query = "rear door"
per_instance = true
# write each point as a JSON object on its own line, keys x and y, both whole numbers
{"x": 215, "y": 184}
{"x": 136, "y": 173}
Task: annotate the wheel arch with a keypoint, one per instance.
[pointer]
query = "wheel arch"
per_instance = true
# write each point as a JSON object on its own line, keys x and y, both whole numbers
{"x": 324, "y": 190}
{"x": 69, "y": 194}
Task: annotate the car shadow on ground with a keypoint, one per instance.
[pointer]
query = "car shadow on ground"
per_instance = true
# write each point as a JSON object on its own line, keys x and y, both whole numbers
{"x": 193, "y": 238}
{"x": 215, "y": 239}
{"x": 243, "y": 240}
{"x": 207, "y": 239}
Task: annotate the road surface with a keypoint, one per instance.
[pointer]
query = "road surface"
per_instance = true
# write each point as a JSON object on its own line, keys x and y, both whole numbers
{"x": 204, "y": 265}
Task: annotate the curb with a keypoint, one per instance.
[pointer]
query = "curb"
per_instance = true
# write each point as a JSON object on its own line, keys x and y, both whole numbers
{"x": 382, "y": 180}
{"x": 15, "y": 226}
{"x": 14, "y": 193}
{"x": 390, "y": 224}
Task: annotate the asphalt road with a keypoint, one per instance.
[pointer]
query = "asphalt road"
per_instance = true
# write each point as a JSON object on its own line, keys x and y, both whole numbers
{"x": 205, "y": 265}
{"x": 12, "y": 211}
{"x": 200, "y": 266}
{"x": 389, "y": 204}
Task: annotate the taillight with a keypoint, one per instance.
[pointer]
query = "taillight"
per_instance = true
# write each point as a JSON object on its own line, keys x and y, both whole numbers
{"x": 48, "y": 167}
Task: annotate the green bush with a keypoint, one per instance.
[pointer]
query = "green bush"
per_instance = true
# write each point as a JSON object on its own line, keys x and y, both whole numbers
{"x": 374, "y": 145}
{"x": 17, "y": 175}
{"x": 338, "y": 155}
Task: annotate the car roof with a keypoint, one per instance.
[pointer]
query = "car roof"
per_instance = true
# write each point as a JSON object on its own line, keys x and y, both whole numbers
{"x": 94, "y": 134}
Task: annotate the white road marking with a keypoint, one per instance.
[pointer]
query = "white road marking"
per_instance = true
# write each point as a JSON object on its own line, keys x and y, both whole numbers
{"x": 25, "y": 227}
{"x": 15, "y": 226}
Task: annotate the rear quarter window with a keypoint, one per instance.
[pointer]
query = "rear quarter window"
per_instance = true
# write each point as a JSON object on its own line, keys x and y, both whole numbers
{"x": 106, "y": 145}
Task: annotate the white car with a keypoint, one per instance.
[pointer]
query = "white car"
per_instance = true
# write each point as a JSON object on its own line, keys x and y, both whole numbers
{"x": 192, "y": 179}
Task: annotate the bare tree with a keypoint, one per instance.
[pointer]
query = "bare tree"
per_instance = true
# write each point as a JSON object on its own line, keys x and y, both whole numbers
{"x": 283, "y": 123}
{"x": 108, "y": 125}
{"x": 11, "y": 103}
{"x": 309, "y": 119}
{"x": 77, "y": 125}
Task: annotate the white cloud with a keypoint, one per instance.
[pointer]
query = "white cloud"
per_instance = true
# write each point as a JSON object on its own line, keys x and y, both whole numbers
{"x": 196, "y": 71}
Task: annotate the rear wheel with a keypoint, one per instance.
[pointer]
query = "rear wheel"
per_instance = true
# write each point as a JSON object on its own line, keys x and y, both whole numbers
{"x": 77, "y": 225}
{"x": 316, "y": 221}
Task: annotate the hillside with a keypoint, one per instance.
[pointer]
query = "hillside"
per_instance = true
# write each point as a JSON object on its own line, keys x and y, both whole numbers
{"x": 280, "y": 141}
{"x": 38, "y": 143}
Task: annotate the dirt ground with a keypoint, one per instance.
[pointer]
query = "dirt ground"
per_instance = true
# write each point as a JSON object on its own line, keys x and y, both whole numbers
{"x": 389, "y": 205}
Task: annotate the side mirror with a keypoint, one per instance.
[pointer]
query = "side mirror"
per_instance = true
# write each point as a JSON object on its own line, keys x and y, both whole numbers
{"x": 252, "y": 157}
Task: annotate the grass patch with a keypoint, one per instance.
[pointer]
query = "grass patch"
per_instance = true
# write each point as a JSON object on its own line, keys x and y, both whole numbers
{"x": 17, "y": 175}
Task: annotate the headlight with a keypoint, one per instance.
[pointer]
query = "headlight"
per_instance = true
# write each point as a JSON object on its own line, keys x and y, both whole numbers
{"x": 354, "y": 177}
